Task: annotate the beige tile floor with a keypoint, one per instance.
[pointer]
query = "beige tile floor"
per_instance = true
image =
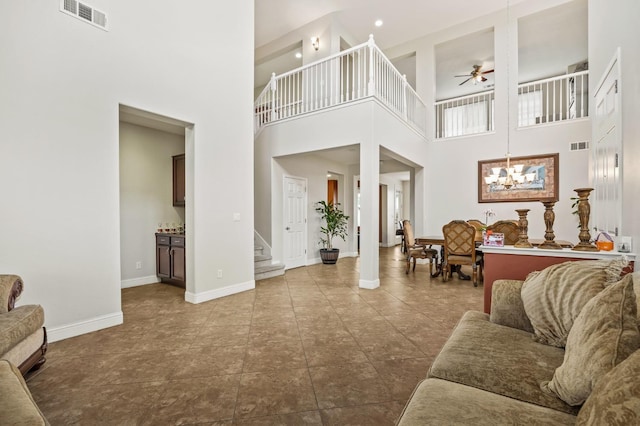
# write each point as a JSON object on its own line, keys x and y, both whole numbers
{"x": 309, "y": 347}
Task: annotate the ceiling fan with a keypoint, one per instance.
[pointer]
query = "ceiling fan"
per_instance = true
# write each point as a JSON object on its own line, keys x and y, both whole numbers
{"x": 476, "y": 75}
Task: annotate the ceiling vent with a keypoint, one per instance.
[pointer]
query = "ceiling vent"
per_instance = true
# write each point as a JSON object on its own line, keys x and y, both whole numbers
{"x": 579, "y": 146}
{"x": 85, "y": 13}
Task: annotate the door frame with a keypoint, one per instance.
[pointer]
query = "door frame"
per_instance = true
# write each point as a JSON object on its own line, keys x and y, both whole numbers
{"x": 305, "y": 231}
{"x": 614, "y": 70}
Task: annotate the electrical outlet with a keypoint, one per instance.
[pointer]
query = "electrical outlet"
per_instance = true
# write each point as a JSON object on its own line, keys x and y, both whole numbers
{"x": 138, "y": 265}
{"x": 219, "y": 273}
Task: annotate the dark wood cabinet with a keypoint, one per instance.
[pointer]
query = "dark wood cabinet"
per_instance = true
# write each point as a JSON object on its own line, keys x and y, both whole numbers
{"x": 170, "y": 259}
{"x": 178, "y": 180}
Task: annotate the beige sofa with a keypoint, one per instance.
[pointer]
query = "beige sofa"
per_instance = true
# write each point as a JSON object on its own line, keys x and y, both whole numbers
{"x": 500, "y": 369}
{"x": 23, "y": 338}
{"x": 17, "y": 406}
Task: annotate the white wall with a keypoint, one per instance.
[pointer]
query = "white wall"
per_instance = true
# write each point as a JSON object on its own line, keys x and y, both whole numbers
{"x": 146, "y": 192}
{"x": 451, "y": 190}
{"x": 63, "y": 81}
{"x": 613, "y": 25}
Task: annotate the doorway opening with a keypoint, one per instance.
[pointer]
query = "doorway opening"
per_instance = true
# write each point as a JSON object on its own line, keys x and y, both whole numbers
{"x": 150, "y": 148}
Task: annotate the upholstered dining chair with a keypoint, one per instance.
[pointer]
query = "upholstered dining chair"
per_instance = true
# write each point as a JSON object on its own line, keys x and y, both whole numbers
{"x": 460, "y": 248}
{"x": 509, "y": 228}
{"x": 415, "y": 251}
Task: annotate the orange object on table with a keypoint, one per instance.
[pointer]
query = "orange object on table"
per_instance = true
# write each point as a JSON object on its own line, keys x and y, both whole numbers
{"x": 604, "y": 245}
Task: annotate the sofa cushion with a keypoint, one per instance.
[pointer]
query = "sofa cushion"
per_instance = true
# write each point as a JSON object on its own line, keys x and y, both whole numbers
{"x": 615, "y": 399}
{"x": 604, "y": 334}
{"x": 19, "y": 323}
{"x": 499, "y": 359}
{"x": 439, "y": 402}
{"x": 17, "y": 406}
{"x": 554, "y": 297}
{"x": 506, "y": 305}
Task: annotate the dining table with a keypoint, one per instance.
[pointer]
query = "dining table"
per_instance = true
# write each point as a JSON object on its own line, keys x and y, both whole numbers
{"x": 438, "y": 240}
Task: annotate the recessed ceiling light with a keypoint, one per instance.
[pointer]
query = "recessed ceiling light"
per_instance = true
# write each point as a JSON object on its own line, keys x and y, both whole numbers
{"x": 379, "y": 23}
{"x": 298, "y": 55}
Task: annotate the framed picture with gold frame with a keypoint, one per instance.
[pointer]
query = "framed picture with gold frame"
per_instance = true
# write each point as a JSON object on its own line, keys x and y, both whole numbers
{"x": 531, "y": 178}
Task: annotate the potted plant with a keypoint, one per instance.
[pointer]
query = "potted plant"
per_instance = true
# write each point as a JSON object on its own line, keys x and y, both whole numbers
{"x": 335, "y": 225}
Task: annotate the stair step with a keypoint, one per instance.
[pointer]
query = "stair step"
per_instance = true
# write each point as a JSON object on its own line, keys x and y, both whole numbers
{"x": 258, "y": 250}
{"x": 262, "y": 260}
{"x": 268, "y": 271}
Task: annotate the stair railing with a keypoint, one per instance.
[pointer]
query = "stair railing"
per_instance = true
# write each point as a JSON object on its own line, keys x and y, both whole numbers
{"x": 351, "y": 75}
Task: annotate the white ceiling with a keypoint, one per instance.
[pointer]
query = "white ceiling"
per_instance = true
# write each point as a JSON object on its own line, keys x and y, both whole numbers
{"x": 548, "y": 41}
{"x": 404, "y": 20}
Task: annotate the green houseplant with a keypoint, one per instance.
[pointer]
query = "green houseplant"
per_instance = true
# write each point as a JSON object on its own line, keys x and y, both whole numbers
{"x": 335, "y": 225}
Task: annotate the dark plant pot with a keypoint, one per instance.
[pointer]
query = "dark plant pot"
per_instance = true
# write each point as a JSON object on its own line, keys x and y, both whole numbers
{"x": 329, "y": 256}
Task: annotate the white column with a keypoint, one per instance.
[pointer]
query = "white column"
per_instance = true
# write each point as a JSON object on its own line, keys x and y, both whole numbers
{"x": 369, "y": 220}
{"x": 419, "y": 178}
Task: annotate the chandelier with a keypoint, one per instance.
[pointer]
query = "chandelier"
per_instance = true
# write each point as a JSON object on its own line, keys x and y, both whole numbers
{"x": 510, "y": 177}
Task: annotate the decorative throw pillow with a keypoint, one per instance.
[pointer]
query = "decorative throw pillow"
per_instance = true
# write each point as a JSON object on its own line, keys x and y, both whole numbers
{"x": 554, "y": 297}
{"x": 615, "y": 399}
{"x": 604, "y": 334}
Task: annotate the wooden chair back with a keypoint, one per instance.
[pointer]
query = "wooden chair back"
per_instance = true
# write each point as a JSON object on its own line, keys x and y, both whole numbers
{"x": 459, "y": 238}
{"x": 409, "y": 238}
{"x": 509, "y": 228}
{"x": 478, "y": 225}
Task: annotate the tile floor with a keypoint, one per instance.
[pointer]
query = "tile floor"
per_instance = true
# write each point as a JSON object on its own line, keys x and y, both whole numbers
{"x": 309, "y": 347}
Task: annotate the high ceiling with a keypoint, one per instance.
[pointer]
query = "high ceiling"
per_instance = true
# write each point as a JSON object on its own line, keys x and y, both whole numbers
{"x": 404, "y": 20}
{"x": 548, "y": 41}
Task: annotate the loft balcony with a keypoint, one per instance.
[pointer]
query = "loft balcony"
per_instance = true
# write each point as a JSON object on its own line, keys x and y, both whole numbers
{"x": 361, "y": 72}
{"x": 552, "y": 100}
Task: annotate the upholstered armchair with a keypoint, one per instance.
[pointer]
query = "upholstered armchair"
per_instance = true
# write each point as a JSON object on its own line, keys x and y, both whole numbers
{"x": 23, "y": 338}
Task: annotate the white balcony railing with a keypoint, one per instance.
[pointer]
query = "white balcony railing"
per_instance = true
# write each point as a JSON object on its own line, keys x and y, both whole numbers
{"x": 550, "y": 100}
{"x": 357, "y": 73}
{"x": 466, "y": 115}
{"x": 565, "y": 97}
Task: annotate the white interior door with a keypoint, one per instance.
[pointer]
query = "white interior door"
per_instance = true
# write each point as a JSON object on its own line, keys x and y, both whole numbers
{"x": 295, "y": 222}
{"x": 607, "y": 153}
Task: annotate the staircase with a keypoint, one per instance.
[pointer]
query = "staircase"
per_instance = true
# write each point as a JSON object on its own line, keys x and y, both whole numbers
{"x": 264, "y": 267}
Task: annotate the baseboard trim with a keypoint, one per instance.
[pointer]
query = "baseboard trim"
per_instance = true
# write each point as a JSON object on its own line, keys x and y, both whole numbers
{"x": 83, "y": 327}
{"x": 369, "y": 284}
{"x": 136, "y": 282}
{"x": 205, "y": 296}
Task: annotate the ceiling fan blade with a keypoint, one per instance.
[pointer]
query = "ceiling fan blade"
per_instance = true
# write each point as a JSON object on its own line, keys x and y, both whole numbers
{"x": 463, "y": 75}
{"x": 484, "y": 79}
{"x": 464, "y": 81}
{"x": 487, "y": 72}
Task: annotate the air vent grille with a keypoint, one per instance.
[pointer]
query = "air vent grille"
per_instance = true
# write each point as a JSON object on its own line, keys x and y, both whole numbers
{"x": 579, "y": 146}
{"x": 84, "y": 12}
{"x": 71, "y": 6}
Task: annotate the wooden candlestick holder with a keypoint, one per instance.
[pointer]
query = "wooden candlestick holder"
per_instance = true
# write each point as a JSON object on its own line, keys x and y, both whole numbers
{"x": 523, "y": 223}
{"x": 549, "y": 236}
{"x": 584, "y": 210}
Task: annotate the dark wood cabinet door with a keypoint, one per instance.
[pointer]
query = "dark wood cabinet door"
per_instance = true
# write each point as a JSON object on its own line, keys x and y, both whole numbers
{"x": 178, "y": 267}
{"x": 163, "y": 261}
{"x": 178, "y": 180}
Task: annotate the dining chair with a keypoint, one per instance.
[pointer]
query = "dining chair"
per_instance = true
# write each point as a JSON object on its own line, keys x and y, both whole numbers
{"x": 400, "y": 231}
{"x": 479, "y": 227}
{"x": 509, "y": 228}
{"x": 460, "y": 248}
{"x": 415, "y": 251}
